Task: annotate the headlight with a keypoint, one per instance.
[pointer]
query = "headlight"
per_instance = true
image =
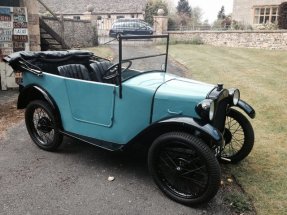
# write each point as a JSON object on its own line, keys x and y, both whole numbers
{"x": 206, "y": 109}
{"x": 211, "y": 110}
{"x": 235, "y": 95}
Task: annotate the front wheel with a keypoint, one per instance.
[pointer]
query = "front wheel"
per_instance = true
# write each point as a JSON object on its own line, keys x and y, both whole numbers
{"x": 184, "y": 168}
{"x": 43, "y": 125}
{"x": 239, "y": 137}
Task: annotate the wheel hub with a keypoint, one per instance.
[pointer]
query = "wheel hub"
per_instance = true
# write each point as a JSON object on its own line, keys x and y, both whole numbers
{"x": 44, "y": 125}
{"x": 181, "y": 163}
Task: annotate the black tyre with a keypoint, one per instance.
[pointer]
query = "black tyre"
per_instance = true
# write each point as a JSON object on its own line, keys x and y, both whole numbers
{"x": 184, "y": 168}
{"x": 239, "y": 137}
{"x": 43, "y": 125}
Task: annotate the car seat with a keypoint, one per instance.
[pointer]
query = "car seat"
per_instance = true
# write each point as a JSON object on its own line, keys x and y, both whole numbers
{"x": 98, "y": 71}
{"x": 77, "y": 71}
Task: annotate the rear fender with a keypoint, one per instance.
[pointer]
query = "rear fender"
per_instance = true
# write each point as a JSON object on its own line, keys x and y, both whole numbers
{"x": 32, "y": 92}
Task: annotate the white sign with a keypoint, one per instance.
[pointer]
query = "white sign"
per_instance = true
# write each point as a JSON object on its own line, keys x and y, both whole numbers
{"x": 6, "y": 31}
{"x": 5, "y": 45}
{"x": 20, "y": 31}
{"x": 6, "y": 24}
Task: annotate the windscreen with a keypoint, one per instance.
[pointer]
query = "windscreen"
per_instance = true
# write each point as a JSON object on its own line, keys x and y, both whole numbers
{"x": 142, "y": 53}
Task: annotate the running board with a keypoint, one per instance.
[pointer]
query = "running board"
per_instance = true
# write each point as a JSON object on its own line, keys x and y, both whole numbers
{"x": 95, "y": 142}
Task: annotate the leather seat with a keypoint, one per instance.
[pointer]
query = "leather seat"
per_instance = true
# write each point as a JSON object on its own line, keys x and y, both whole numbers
{"x": 77, "y": 71}
{"x": 98, "y": 71}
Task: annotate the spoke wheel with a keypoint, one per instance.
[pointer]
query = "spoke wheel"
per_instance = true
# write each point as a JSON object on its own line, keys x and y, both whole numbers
{"x": 42, "y": 125}
{"x": 184, "y": 168}
{"x": 238, "y": 135}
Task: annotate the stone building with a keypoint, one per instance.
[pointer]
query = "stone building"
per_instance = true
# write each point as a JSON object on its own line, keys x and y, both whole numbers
{"x": 104, "y": 9}
{"x": 256, "y": 12}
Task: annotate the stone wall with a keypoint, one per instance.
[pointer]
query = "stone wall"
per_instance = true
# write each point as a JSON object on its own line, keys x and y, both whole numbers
{"x": 78, "y": 33}
{"x": 248, "y": 39}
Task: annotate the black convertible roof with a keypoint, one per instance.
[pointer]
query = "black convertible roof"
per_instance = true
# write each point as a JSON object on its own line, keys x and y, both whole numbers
{"x": 48, "y": 55}
{"x": 40, "y": 60}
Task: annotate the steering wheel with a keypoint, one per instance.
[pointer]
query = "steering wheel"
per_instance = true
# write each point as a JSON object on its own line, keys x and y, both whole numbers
{"x": 112, "y": 71}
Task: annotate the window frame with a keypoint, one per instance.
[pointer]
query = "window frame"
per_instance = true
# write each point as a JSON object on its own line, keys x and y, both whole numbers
{"x": 260, "y": 18}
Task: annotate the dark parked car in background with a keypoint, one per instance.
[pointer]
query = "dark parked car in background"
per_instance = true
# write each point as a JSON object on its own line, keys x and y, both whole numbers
{"x": 130, "y": 27}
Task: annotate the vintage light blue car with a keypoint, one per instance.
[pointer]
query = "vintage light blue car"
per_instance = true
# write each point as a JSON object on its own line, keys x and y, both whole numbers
{"x": 186, "y": 125}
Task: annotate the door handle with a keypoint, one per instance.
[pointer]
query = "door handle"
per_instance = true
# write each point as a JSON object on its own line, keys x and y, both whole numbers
{"x": 174, "y": 112}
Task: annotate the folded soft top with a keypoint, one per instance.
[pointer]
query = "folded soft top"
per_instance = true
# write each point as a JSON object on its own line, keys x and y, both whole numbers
{"x": 48, "y": 60}
{"x": 47, "y": 55}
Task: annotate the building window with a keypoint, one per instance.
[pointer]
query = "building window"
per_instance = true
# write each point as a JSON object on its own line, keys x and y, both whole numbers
{"x": 132, "y": 16}
{"x": 120, "y": 17}
{"x": 266, "y": 14}
{"x": 109, "y": 16}
{"x": 76, "y": 17}
{"x": 99, "y": 18}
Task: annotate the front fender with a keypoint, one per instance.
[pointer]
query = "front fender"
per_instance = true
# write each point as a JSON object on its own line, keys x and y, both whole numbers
{"x": 246, "y": 108}
{"x": 196, "y": 125}
{"x": 181, "y": 124}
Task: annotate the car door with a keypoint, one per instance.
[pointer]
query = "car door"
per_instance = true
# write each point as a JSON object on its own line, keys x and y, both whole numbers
{"x": 142, "y": 29}
{"x": 91, "y": 102}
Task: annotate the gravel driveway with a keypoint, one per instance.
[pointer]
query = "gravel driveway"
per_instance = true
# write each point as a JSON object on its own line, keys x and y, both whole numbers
{"x": 75, "y": 181}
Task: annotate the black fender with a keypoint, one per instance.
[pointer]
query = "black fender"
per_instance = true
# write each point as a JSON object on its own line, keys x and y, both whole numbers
{"x": 190, "y": 125}
{"x": 33, "y": 92}
{"x": 246, "y": 108}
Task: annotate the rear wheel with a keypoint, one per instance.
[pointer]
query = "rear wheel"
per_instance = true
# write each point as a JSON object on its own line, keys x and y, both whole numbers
{"x": 43, "y": 125}
{"x": 239, "y": 137}
{"x": 184, "y": 168}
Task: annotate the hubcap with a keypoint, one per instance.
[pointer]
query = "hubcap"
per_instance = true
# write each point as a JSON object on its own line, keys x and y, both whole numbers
{"x": 44, "y": 125}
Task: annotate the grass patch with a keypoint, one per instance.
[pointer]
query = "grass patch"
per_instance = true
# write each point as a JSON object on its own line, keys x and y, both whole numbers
{"x": 262, "y": 79}
{"x": 239, "y": 202}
